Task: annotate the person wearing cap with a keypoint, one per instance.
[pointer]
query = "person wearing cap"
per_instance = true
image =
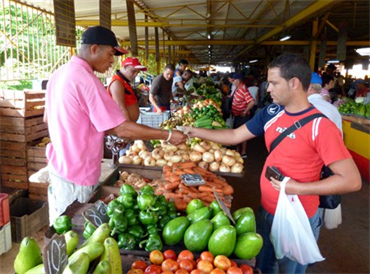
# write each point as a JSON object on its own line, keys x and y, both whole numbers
{"x": 79, "y": 113}
{"x": 242, "y": 104}
{"x": 160, "y": 95}
{"x": 120, "y": 88}
{"x": 361, "y": 89}
{"x": 300, "y": 156}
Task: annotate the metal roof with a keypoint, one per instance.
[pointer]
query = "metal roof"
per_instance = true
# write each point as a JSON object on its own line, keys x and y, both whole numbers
{"x": 224, "y": 31}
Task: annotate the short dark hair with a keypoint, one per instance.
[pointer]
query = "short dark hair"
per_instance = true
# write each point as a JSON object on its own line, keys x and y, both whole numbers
{"x": 189, "y": 71}
{"x": 293, "y": 65}
{"x": 326, "y": 78}
{"x": 183, "y": 62}
{"x": 170, "y": 67}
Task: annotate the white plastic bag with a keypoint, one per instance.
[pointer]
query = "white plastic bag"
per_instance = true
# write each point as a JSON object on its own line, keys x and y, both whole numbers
{"x": 333, "y": 217}
{"x": 291, "y": 233}
{"x": 230, "y": 121}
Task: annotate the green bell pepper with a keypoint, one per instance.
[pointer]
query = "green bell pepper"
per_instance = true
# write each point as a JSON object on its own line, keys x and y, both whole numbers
{"x": 173, "y": 214}
{"x": 171, "y": 207}
{"x": 129, "y": 189}
{"x": 161, "y": 199}
{"x": 127, "y": 200}
{"x": 126, "y": 241}
{"x": 148, "y": 217}
{"x": 152, "y": 229}
{"x": 114, "y": 207}
{"x": 154, "y": 242}
{"x": 161, "y": 209}
{"x": 137, "y": 231}
{"x": 147, "y": 189}
{"x": 62, "y": 224}
{"x": 131, "y": 217}
{"x": 88, "y": 230}
{"x": 118, "y": 223}
{"x": 145, "y": 201}
{"x": 163, "y": 221}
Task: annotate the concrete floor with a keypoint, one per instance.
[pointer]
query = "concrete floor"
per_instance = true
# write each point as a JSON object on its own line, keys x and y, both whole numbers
{"x": 346, "y": 248}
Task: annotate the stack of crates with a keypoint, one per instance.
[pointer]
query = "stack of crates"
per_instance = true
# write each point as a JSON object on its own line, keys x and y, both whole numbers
{"x": 21, "y": 122}
{"x": 5, "y": 228}
{"x": 152, "y": 119}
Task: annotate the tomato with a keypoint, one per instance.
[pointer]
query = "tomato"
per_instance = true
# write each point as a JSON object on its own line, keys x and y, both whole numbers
{"x": 196, "y": 271}
{"x": 207, "y": 256}
{"x": 156, "y": 257}
{"x": 223, "y": 262}
{"x": 233, "y": 263}
{"x": 246, "y": 269}
{"x": 138, "y": 265}
{"x": 234, "y": 270}
{"x": 153, "y": 269}
{"x": 187, "y": 265}
{"x": 170, "y": 265}
{"x": 185, "y": 255}
{"x": 169, "y": 254}
{"x": 217, "y": 271}
{"x": 167, "y": 272}
{"x": 181, "y": 271}
{"x": 205, "y": 266}
{"x": 135, "y": 271}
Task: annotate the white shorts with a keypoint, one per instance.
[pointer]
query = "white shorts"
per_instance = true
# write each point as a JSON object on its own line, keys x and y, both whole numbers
{"x": 62, "y": 193}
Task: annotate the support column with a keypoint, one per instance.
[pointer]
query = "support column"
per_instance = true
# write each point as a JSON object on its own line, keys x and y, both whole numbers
{"x": 313, "y": 45}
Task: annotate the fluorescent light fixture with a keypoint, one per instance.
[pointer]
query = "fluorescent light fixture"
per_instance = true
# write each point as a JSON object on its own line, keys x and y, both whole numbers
{"x": 333, "y": 61}
{"x": 285, "y": 38}
{"x": 209, "y": 46}
{"x": 363, "y": 51}
{"x": 209, "y": 36}
{"x": 253, "y": 61}
{"x": 246, "y": 66}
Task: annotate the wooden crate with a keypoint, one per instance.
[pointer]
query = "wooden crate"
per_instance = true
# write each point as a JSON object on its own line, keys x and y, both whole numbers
{"x": 26, "y": 103}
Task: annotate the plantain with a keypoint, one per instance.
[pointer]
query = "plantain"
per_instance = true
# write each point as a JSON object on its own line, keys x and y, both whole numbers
{"x": 112, "y": 255}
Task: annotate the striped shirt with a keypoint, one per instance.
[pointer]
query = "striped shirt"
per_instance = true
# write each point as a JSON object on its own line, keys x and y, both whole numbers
{"x": 242, "y": 98}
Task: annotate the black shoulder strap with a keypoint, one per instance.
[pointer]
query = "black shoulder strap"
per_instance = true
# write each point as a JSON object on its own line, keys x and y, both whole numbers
{"x": 298, "y": 124}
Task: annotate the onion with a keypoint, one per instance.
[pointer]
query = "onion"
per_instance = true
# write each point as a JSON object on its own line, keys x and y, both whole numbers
{"x": 203, "y": 165}
{"x": 149, "y": 161}
{"x": 169, "y": 147}
{"x": 237, "y": 154}
{"x": 176, "y": 158}
{"x": 208, "y": 157}
{"x": 123, "y": 176}
{"x": 125, "y": 160}
{"x": 145, "y": 154}
{"x": 230, "y": 152}
{"x": 215, "y": 145}
{"x": 167, "y": 155}
{"x": 237, "y": 168}
{"x": 140, "y": 144}
{"x": 239, "y": 159}
{"x": 206, "y": 145}
{"x": 228, "y": 160}
{"x": 135, "y": 148}
{"x": 129, "y": 152}
{"x": 199, "y": 148}
{"x": 218, "y": 155}
{"x": 137, "y": 160}
{"x": 161, "y": 162}
{"x": 215, "y": 166}
{"x": 182, "y": 147}
{"x": 185, "y": 157}
{"x": 224, "y": 168}
{"x": 195, "y": 156}
{"x": 157, "y": 153}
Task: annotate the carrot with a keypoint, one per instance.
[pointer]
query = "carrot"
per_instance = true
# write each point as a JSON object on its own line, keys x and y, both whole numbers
{"x": 159, "y": 192}
{"x": 194, "y": 189}
{"x": 175, "y": 177}
{"x": 206, "y": 188}
{"x": 171, "y": 195}
{"x": 217, "y": 180}
{"x": 179, "y": 171}
{"x": 194, "y": 195}
{"x": 201, "y": 171}
{"x": 180, "y": 204}
{"x": 187, "y": 198}
{"x": 172, "y": 185}
{"x": 189, "y": 171}
{"x": 228, "y": 190}
{"x": 213, "y": 184}
{"x": 184, "y": 165}
{"x": 208, "y": 198}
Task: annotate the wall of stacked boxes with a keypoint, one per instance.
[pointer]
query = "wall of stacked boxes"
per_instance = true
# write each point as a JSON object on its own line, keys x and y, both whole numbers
{"x": 23, "y": 137}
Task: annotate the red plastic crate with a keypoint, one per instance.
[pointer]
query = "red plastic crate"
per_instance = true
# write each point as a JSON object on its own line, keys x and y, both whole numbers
{"x": 4, "y": 209}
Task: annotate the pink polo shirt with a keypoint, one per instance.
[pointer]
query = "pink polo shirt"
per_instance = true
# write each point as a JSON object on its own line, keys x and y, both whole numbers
{"x": 79, "y": 111}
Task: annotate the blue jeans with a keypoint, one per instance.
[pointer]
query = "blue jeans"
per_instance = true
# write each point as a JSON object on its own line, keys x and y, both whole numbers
{"x": 266, "y": 260}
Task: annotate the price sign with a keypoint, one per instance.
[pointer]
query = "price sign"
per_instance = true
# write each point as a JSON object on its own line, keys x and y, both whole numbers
{"x": 97, "y": 214}
{"x": 223, "y": 206}
{"x": 192, "y": 179}
{"x": 55, "y": 255}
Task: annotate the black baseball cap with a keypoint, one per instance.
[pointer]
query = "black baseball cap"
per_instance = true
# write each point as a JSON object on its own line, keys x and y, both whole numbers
{"x": 99, "y": 35}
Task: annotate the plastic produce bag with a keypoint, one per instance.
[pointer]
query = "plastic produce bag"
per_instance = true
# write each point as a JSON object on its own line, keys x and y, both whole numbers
{"x": 291, "y": 233}
{"x": 333, "y": 217}
{"x": 230, "y": 121}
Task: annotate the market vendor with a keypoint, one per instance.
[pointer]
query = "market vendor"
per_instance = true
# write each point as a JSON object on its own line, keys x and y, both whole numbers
{"x": 79, "y": 112}
{"x": 160, "y": 95}
{"x": 361, "y": 88}
{"x": 299, "y": 156}
{"x": 121, "y": 91}
{"x": 180, "y": 81}
{"x": 181, "y": 67}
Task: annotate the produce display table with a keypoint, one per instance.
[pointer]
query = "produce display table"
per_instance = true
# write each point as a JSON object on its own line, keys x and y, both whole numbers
{"x": 356, "y": 134}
